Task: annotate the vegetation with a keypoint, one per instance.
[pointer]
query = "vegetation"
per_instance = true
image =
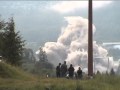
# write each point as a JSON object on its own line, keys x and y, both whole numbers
{"x": 40, "y": 67}
{"x": 9, "y": 72}
{"x": 42, "y": 55}
{"x": 11, "y": 45}
{"x": 28, "y": 56}
{"x": 13, "y": 78}
{"x": 43, "y": 68}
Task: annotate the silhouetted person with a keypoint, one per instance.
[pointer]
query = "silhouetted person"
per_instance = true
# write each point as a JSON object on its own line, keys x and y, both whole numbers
{"x": 79, "y": 73}
{"x": 71, "y": 71}
{"x": 63, "y": 69}
{"x": 112, "y": 72}
{"x": 98, "y": 72}
{"x": 58, "y": 70}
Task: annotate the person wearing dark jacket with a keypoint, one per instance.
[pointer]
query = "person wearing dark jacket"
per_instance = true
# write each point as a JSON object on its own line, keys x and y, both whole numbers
{"x": 63, "y": 69}
{"x": 79, "y": 73}
{"x": 58, "y": 70}
{"x": 71, "y": 71}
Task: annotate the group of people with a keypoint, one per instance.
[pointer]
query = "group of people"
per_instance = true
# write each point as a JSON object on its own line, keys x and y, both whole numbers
{"x": 63, "y": 71}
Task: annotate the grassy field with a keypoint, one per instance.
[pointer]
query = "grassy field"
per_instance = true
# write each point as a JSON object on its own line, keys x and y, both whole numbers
{"x": 16, "y": 79}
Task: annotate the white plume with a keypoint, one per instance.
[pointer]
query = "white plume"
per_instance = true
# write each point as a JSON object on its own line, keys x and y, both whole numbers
{"x": 72, "y": 46}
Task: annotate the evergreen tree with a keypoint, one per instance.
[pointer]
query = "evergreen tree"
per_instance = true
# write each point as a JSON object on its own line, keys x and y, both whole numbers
{"x": 12, "y": 44}
{"x": 28, "y": 55}
{"x": 2, "y": 25}
{"x": 42, "y": 55}
{"x": 43, "y": 61}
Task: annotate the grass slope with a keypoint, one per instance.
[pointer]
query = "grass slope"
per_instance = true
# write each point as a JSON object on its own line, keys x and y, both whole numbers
{"x": 12, "y": 78}
{"x": 8, "y": 71}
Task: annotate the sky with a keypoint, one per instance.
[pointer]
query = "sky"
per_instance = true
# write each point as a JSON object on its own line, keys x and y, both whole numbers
{"x": 34, "y": 19}
{"x": 42, "y": 21}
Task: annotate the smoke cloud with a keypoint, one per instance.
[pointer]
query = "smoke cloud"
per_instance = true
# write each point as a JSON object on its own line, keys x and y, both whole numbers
{"x": 72, "y": 46}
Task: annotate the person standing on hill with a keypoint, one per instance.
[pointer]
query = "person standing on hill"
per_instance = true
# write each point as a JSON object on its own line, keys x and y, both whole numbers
{"x": 71, "y": 71}
{"x": 63, "y": 69}
{"x": 58, "y": 70}
{"x": 79, "y": 73}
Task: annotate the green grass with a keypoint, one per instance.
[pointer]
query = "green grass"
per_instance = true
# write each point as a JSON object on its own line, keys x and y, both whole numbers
{"x": 16, "y": 79}
{"x": 8, "y": 71}
{"x": 59, "y": 84}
